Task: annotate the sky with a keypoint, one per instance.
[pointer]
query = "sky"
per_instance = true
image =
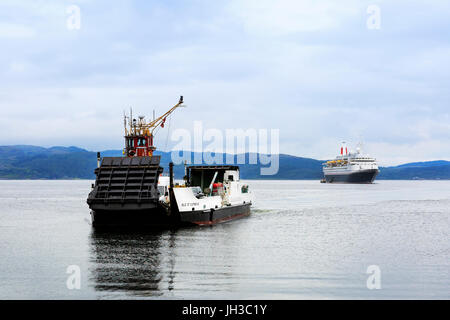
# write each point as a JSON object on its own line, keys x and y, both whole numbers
{"x": 320, "y": 71}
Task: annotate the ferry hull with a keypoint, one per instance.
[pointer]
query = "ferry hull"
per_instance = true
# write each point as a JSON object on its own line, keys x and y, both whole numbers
{"x": 149, "y": 217}
{"x": 364, "y": 176}
{"x": 211, "y": 217}
{"x": 161, "y": 218}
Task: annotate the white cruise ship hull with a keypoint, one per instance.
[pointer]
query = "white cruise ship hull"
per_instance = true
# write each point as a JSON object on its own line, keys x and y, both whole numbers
{"x": 344, "y": 176}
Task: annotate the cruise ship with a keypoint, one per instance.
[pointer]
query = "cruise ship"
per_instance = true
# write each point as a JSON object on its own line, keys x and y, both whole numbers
{"x": 350, "y": 167}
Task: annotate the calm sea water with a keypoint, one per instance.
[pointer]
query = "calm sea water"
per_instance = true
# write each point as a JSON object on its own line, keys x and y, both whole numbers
{"x": 304, "y": 240}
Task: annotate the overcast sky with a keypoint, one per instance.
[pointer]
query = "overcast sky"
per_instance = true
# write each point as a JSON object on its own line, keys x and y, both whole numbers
{"x": 311, "y": 68}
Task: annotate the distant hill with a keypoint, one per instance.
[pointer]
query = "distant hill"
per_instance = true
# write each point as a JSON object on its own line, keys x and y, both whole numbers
{"x": 31, "y": 162}
{"x": 432, "y": 170}
{"x": 436, "y": 163}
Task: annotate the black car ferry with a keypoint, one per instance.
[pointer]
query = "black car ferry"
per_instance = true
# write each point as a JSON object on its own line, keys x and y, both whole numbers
{"x": 131, "y": 191}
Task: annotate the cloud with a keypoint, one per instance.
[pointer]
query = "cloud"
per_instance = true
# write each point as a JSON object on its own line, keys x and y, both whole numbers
{"x": 311, "y": 69}
{"x": 10, "y": 30}
{"x": 283, "y": 17}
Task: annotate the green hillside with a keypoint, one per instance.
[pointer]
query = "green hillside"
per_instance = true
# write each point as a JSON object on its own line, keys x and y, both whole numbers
{"x": 31, "y": 162}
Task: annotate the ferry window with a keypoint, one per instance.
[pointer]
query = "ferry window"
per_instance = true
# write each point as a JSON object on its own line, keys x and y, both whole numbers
{"x": 141, "y": 142}
{"x": 230, "y": 178}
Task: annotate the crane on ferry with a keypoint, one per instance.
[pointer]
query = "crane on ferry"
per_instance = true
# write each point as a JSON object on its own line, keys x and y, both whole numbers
{"x": 139, "y": 133}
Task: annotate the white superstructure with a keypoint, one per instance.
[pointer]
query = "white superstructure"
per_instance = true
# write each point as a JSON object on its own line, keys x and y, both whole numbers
{"x": 351, "y": 167}
{"x": 230, "y": 192}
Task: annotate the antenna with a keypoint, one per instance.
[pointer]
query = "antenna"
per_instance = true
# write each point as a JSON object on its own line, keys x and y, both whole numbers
{"x": 131, "y": 119}
{"x": 125, "y": 122}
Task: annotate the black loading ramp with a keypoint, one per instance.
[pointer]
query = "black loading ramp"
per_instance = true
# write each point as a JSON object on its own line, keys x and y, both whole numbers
{"x": 126, "y": 184}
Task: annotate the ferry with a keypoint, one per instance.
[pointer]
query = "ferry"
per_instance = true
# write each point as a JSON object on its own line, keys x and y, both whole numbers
{"x": 350, "y": 167}
{"x": 132, "y": 191}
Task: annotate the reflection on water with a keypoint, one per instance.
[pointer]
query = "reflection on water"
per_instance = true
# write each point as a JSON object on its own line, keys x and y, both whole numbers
{"x": 188, "y": 262}
{"x": 135, "y": 262}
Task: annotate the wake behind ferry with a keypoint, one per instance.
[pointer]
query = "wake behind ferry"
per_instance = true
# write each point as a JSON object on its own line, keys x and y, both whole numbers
{"x": 131, "y": 190}
{"x": 350, "y": 167}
